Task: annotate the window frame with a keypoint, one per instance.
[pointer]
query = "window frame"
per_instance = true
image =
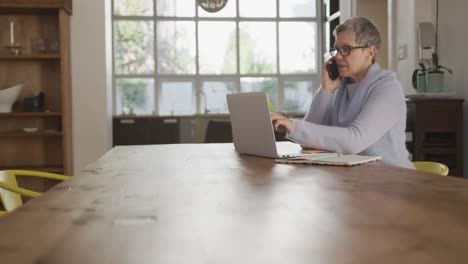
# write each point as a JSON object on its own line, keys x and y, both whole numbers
{"x": 197, "y": 79}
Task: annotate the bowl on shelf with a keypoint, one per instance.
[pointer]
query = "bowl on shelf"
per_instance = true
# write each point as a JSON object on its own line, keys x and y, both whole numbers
{"x": 30, "y": 129}
{"x": 8, "y": 96}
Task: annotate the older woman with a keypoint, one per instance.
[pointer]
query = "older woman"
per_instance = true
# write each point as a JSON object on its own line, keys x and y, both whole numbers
{"x": 362, "y": 111}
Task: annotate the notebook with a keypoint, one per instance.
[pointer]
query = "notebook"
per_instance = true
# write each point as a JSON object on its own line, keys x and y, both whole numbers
{"x": 330, "y": 159}
{"x": 252, "y": 127}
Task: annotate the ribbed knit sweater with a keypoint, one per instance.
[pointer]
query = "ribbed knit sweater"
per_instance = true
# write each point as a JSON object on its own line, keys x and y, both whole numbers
{"x": 367, "y": 118}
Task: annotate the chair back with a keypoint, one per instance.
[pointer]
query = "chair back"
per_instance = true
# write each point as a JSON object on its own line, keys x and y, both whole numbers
{"x": 218, "y": 131}
{"x": 10, "y": 200}
{"x": 10, "y": 192}
{"x": 432, "y": 167}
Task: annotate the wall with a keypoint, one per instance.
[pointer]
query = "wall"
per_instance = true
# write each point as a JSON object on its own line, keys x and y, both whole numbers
{"x": 407, "y": 14}
{"x": 453, "y": 38}
{"x": 347, "y": 9}
{"x": 90, "y": 81}
{"x": 376, "y": 10}
{"x": 404, "y": 37}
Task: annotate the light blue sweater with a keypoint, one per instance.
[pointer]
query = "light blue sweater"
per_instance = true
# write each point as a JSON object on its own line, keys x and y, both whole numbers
{"x": 368, "y": 118}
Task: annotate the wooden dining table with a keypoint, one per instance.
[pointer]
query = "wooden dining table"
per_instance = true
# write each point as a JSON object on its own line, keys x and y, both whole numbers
{"x": 205, "y": 203}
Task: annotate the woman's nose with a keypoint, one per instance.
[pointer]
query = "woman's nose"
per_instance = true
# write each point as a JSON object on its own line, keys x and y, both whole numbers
{"x": 338, "y": 56}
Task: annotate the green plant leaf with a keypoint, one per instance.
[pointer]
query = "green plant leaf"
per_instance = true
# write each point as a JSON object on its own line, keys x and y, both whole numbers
{"x": 435, "y": 60}
{"x": 271, "y": 106}
{"x": 423, "y": 67}
{"x": 443, "y": 67}
{"x": 413, "y": 79}
{"x": 435, "y": 65}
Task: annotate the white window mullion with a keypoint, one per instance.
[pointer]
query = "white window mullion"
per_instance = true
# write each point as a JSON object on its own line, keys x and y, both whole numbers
{"x": 197, "y": 88}
{"x": 279, "y": 84}
{"x": 114, "y": 92}
{"x": 155, "y": 52}
{"x": 238, "y": 48}
{"x": 321, "y": 43}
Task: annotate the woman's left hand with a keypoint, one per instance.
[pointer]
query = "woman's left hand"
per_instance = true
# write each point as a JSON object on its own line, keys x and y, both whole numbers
{"x": 281, "y": 123}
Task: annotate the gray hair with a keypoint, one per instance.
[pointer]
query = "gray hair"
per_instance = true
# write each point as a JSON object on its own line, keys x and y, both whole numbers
{"x": 366, "y": 32}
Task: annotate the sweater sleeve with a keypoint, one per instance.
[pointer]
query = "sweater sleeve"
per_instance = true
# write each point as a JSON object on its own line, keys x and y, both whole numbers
{"x": 320, "y": 108}
{"x": 383, "y": 108}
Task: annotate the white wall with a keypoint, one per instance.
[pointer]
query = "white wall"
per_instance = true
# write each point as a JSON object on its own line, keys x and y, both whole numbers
{"x": 91, "y": 84}
{"x": 376, "y": 10}
{"x": 406, "y": 17}
{"x": 347, "y": 9}
{"x": 405, "y": 27}
{"x": 453, "y": 38}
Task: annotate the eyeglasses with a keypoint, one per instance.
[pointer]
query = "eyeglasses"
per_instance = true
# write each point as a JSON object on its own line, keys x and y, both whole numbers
{"x": 345, "y": 50}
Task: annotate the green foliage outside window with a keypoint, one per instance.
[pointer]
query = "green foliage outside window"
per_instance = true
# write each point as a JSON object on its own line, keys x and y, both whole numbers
{"x": 132, "y": 94}
{"x": 133, "y": 47}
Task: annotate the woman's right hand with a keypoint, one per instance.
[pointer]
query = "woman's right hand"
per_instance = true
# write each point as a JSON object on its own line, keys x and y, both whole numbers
{"x": 328, "y": 85}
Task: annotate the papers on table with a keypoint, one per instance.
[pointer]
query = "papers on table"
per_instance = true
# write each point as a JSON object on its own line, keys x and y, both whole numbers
{"x": 330, "y": 159}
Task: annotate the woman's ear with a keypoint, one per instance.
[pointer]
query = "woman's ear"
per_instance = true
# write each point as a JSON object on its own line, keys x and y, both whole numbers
{"x": 372, "y": 51}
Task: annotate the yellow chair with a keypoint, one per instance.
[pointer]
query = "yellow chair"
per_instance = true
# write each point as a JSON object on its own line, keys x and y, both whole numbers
{"x": 10, "y": 192}
{"x": 432, "y": 167}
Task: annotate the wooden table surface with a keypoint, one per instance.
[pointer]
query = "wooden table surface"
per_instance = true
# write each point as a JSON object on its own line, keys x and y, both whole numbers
{"x": 206, "y": 204}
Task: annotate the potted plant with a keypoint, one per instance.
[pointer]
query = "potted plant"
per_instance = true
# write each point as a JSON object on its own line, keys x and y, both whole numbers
{"x": 419, "y": 78}
{"x": 435, "y": 76}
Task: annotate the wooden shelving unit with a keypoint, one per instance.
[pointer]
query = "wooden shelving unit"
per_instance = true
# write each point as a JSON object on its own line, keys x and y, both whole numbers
{"x": 50, "y": 147}
{"x": 436, "y": 127}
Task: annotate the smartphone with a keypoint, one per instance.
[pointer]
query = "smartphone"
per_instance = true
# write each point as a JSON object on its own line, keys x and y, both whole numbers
{"x": 332, "y": 69}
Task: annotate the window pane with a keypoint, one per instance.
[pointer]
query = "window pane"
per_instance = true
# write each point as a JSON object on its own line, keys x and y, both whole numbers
{"x": 215, "y": 93}
{"x": 133, "y": 7}
{"x": 175, "y": 8}
{"x": 297, "y": 96}
{"x": 217, "y": 47}
{"x": 176, "y": 98}
{"x": 134, "y": 47}
{"x": 257, "y": 8}
{"x": 261, "y": 84}
{"x": 298, "y": 47}
{"x": 297, "y": 8}
{"x": 257, "y": 41}
{"x": 134, "y": 95}
{"x": 176, "y": 47}
{"x": 228, "y": 11}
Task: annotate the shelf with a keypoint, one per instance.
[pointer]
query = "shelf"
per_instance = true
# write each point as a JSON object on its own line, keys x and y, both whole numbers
{"x": 31, "y": 134}
{"x": 35, "y": 5}
{"x": 49, "y": 146}
{"x": 438, "y": 151}
{"x": 31, "y": 114}
{"x": 45, "y": 168}
{"x": 30, "y": 57}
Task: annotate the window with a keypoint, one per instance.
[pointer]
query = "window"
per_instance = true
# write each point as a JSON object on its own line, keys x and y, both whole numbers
{"x": 170, "y": 57}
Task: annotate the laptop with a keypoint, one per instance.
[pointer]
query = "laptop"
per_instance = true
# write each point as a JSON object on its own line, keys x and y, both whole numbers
{"x": 252, "y": 127}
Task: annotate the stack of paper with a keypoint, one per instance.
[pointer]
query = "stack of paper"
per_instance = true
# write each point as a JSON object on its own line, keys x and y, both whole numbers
{"x": 330, "y": 159}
